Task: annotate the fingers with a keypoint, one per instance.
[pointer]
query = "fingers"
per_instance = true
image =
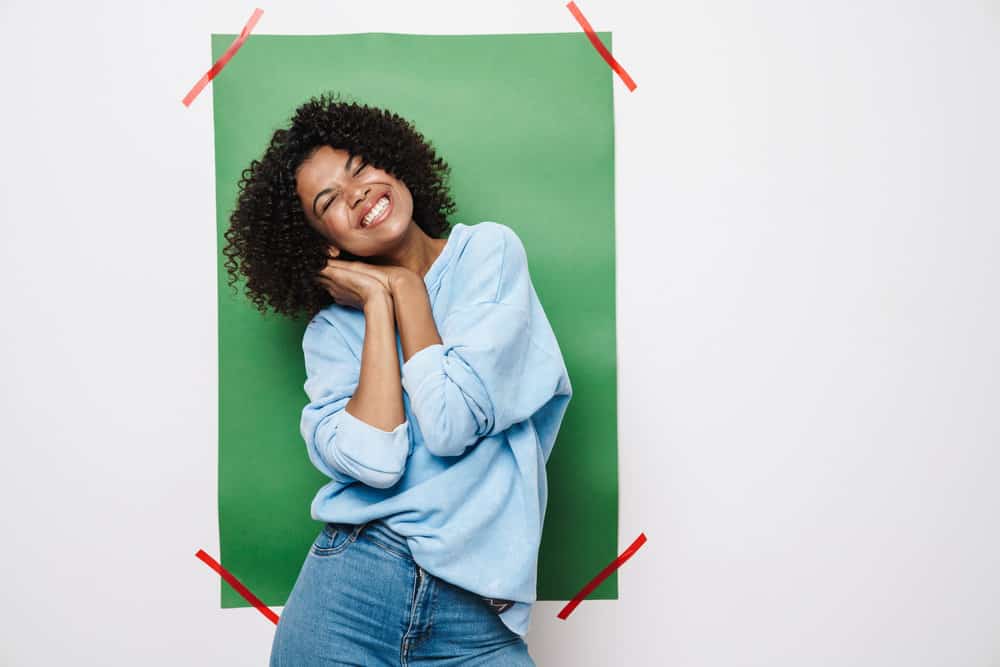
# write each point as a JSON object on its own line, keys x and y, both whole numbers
{"x": 335, "y": 265}
{"x": 371, "y": 270}
{"x": 344, "y": 265}
{"x": 335, "y": 276}
{"x": 328, "y": 286}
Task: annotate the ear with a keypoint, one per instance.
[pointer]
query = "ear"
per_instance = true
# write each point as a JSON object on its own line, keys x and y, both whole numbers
{"x": 332, "y": 251}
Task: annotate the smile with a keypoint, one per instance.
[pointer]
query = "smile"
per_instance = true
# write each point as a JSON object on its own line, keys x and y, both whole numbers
{"x": 377, "y": 213}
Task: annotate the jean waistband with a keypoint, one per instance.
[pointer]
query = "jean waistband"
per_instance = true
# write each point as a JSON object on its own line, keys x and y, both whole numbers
{"x": 380, "y": 531}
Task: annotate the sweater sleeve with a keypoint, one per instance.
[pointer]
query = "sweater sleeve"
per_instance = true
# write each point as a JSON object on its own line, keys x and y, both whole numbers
{"x": 340, "y": 445}
{"x": 498, "y": 362}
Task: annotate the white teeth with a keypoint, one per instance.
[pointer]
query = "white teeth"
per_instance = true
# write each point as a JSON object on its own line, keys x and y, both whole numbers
{"x": 376, "y": 211}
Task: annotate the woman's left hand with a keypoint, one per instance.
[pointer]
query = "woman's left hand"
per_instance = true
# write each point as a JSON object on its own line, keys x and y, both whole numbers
{"x": 385, "y": 274}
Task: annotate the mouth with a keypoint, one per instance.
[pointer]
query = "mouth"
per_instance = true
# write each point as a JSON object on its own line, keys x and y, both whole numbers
{"x": 376, "y": 212}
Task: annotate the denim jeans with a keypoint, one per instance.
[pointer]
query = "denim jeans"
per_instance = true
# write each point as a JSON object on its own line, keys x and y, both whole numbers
{"x": 361, "y": 599}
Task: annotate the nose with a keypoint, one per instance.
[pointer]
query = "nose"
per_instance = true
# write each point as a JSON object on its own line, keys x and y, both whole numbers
{"x": 359, "y": 194}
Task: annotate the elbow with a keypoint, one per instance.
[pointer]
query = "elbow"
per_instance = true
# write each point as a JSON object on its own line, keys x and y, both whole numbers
{"x": 448, "y": 431}
{"x": 448, "y": 445}
{"x": 367, "y": 473}
{"x": 441, "y": 448}
{"x": 435, "y": 443}
{"x": 381, "y": 480}
{"x": 374, "y": 457}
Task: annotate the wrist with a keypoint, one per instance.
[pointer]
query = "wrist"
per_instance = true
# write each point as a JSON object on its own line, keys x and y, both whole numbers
{"x": 405, "y": 280}
{"x": 378, "y": 300}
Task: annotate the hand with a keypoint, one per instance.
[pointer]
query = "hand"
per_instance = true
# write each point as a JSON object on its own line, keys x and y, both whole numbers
{"x": 349, "y": 286}
{"x": 386, "y": 275}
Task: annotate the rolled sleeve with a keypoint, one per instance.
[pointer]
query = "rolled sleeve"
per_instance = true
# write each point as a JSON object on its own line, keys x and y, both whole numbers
{"x": 498, "y": 362}
{"x": 339, "y": 444}
{"x": 366, "y": 453}
{"x": 422, "y": 364}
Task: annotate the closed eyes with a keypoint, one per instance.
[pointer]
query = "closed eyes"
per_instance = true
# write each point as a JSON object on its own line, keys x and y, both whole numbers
{"x": 330, "y": 201}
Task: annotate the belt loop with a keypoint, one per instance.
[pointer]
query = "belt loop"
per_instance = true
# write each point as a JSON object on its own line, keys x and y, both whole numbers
{"x": 498, "y": 605}
{"x": 357, "y": 530}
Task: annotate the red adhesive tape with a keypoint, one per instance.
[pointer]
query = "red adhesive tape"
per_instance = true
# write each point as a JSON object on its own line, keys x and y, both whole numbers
{"x": 601, "y": 576}
{"x": 592, "y": 36}
{"x": 240, "y": 588}
{"x": 221, "y": 62}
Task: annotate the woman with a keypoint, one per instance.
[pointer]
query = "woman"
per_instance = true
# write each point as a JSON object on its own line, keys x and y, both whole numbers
{"x": 436, "y": 389}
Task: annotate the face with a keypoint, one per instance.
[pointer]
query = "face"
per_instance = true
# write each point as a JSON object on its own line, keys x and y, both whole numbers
{"x": 355, "y": 206}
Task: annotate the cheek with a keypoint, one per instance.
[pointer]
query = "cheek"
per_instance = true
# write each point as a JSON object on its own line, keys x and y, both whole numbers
{"x": 404, "y": 200}
{"x": 334, "y": 218}
{"x": 326, "y": 226}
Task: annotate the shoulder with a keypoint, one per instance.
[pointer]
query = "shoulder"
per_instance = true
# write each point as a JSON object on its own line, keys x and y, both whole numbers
{"x": 492, "y": 265}
{"x": 491, "y": 235}
{"x": 325, "y": 332}
{"x": 323, "y": 320}
{"x": 491, "y": 242}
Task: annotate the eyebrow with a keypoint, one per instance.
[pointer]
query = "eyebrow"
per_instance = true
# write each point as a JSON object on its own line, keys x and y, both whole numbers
{"x": 347, "y": 167}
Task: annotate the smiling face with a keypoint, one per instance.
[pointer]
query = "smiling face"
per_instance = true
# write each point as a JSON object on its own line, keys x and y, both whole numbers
{"x": 355, "y": 206}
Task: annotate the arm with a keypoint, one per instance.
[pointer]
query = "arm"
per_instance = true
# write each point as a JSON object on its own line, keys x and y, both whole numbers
{"x": 495, "y": 361}
{"x": 414, "y": 318}
{"x": 378, "y": 398}
{"x": 370, "y": 442}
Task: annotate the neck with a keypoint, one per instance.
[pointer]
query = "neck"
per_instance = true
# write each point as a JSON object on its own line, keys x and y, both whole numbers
{"x": 416, "y": 251}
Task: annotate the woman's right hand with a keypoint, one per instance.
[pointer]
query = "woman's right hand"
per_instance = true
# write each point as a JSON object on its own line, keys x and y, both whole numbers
{"x": 350, "y": 288}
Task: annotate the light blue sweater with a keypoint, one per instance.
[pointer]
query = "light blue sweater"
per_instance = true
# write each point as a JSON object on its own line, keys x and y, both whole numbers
{"x": 463, "y": 477}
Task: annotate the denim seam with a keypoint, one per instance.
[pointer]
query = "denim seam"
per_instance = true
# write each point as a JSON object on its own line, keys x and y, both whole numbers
{"x": 332, "y": 534}
{"x": 428, "y": 584}
{"x": 385, "y": 547}
{"x": 420, "y": 638}
{"x": 329, "y": 551}
{"x": 423, "y": 636}
{"x": 433, "y": 603}
{"x": 404, "y": 655}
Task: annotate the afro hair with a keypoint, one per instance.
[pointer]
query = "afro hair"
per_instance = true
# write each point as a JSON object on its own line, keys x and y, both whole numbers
{"x": 269, "y": 241}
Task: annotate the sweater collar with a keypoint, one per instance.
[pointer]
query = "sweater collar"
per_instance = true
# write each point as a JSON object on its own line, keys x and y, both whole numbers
{"x": 434, "y": 274}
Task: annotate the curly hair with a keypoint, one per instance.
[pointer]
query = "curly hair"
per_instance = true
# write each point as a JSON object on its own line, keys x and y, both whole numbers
{"x": 269, "y": 240}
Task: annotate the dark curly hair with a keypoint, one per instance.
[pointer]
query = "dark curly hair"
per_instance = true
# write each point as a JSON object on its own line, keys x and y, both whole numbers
{"x": 269, "y": 240}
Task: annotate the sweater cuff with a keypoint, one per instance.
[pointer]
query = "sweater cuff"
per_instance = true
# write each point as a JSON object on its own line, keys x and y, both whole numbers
{"x": 418, "y": 367}
{"x": 372, "y": 455}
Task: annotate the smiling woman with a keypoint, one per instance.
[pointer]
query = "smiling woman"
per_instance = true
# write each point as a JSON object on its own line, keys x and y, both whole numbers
{"x": 436, "y": 390}
{"x": 345, "y": 205}
{"x": 304, "y": 194}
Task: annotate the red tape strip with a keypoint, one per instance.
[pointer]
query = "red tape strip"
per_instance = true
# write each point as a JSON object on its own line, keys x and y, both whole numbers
{"x": 592, "y": 36}
{"x": 221, "y": 62}
{"x": 240, "y": 588}
{"x": 601, "y": 576}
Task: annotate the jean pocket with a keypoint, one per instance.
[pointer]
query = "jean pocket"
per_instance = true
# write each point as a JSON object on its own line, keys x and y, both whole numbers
{"x": 332, "y": 540}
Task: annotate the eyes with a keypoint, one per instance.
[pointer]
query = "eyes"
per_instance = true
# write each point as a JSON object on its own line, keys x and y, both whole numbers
{"x": 361, "y": 167}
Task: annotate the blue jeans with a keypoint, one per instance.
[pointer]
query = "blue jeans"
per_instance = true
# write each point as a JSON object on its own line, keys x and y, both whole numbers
{"x": 361, "y": 599}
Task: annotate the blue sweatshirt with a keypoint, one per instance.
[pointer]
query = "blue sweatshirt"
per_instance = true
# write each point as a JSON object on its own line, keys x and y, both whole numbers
{"x": 462, "y": 479}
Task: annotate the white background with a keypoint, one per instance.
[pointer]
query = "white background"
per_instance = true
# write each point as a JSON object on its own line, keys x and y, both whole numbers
{"x": 807, "y": 252}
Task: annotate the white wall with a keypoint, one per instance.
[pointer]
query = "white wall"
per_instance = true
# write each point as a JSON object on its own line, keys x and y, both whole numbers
{"x": 807, "y": 283}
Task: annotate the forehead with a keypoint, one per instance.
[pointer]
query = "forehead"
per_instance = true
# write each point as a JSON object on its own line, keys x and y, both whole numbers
{"x": 317, "y": 170}
{"x": 324, "y": 160}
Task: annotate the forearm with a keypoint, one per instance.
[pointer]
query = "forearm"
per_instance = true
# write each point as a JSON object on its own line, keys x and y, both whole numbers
{"x": 378, "y": 399}
{"x": 414, "y": 317}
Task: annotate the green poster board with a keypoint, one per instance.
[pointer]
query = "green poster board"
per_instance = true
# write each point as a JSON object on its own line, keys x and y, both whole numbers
{"x": 526, "y": 123}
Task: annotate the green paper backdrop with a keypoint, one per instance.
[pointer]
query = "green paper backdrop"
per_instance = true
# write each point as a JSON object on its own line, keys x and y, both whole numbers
{"x": 527, "y": 124}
